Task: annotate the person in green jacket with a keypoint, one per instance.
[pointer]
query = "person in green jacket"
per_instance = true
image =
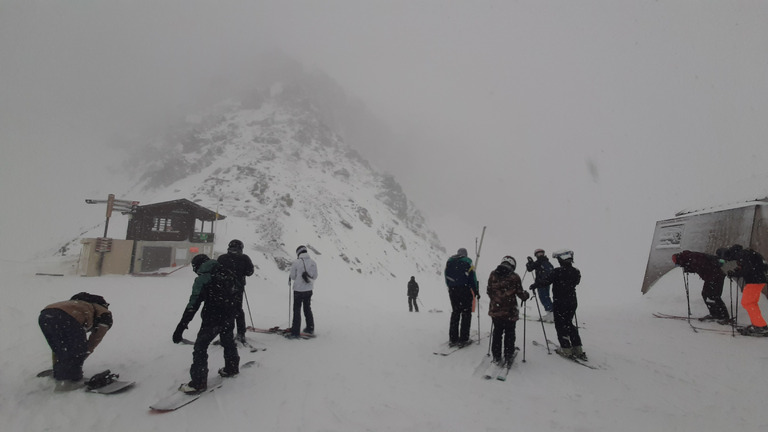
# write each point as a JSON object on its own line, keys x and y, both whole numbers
{"x": 462, "y": 286}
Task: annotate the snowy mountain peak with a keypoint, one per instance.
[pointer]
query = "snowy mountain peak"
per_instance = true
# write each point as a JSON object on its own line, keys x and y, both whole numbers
{"x": 284, "y": 177}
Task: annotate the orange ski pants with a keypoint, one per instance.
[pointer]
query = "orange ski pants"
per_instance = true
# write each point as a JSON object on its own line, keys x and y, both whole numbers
{"x": 749, "y": 300}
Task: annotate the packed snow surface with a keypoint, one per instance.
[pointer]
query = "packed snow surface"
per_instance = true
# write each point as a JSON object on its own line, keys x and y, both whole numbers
{"x": 372, "y": 365}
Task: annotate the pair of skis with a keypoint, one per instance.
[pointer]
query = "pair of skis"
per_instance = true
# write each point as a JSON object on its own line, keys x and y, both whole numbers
{"x": 558, "y": 351}
{"x": 280, "y": 331}
{"x": 446, "y": 349}
{"x": 499, "y": 371}
{"x": 702, "y": 319}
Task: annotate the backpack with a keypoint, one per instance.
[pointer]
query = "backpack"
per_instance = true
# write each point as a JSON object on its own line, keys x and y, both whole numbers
{"x": 223, "y": 290}
{"x": 457, "y": 273}
{"x": 90, "y": 298}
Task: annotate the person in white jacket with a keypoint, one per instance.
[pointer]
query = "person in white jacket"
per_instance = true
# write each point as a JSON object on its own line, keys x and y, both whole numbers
{"x": 303, "y": 274}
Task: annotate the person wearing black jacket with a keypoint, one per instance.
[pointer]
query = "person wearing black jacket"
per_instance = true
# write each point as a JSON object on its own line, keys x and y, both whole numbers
{"x": 708, "y": 268}
{"x": 564, "y": 280}
{"x": 750, "y": 266}
{"x": 242, "y": 266}
{"x": 413, "y": 294}
{"x": 218, "y": 319}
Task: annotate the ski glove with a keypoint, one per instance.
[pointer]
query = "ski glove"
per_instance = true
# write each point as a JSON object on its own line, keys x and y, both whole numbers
{"x": 530, "y": 265}
{"x": 178, "y": 334}
{"x": 533, "y": 287}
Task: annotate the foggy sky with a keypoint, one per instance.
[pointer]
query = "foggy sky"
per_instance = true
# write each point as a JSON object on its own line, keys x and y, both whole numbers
{"x": 545, "y": 120}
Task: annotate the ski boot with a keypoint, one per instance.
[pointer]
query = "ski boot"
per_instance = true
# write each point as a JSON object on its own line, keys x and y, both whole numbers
{"x": 191, "y": 389}
{"x": 578, "y": 353}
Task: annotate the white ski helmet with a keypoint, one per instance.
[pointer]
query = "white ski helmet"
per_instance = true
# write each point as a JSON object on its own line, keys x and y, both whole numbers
{"x": 509, "y": 260}
{"x": 563, "y": 254}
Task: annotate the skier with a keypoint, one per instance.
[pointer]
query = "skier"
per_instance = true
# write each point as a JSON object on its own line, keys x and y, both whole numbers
{"x": 708, "y": 268}
{"x": 564, "y": 280}
{"x": 541, "y": 267}
{"x": 218, "y": 318}
{"x": 242, "y": 266}
{"x": 64, "y": 325}
{"x": 303, "y": 274}
{"x": 750, "y": 266}
{"x": 503, "y": 285}
{"x": 462, "y": 287}
{"x": 413, "y": 294}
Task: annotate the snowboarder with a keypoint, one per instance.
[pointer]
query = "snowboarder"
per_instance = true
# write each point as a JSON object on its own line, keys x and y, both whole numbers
{"x": 303, "y": 274}
{"x": 564, "y": 280}
{"x": 241, "y": 264}
{"x": 750, "y": 266}
{"x": 503, "y": 285}
{"x": 462, "y": 286}
{"x": 413, "y": 294}
{"x": 541, "y": 267}
{"x": 708, "y": 268}
{"x": 64, "y": 325}
{"x": 218, "y": 316}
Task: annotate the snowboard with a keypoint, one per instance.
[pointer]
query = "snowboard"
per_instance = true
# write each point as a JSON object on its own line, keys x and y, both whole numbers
{"x": 178, "y": 399}
{"x": 113, "y": 387}
{"x": 113, "y": 384}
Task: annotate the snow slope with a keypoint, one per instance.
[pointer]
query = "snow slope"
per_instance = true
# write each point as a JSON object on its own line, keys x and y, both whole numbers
{"x": 372, "y": 368}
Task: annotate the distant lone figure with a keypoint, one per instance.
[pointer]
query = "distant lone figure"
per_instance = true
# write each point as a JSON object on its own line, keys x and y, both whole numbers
{"x": 413, "y": 294}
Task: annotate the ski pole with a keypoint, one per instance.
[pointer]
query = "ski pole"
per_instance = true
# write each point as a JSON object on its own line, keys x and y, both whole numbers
{"x": 525, "y": 314}
{"x": 289, "y": 300}
{"x": 478, "y": 322}
{"x": 490, "y": 339}
{"x": 477, "y": 260}
{"x": 738, "y": 288}
{"x": 688, "y": 300}
{"x": 733, "y": 323}
{"x": 245, "y": 294}
{"x": 525, "y": 318}
{"x": 546, "y": 341}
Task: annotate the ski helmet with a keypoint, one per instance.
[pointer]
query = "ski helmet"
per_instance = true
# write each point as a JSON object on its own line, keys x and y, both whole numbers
{"x": 235, "y": 246}
{"x": 300, "y": 250}
{"x": 462, "y": 252}
{"x": 563, "y": 255}
{"x": 509, "y": 260}
{"x": 198, "y": 260}
{"x": 538, "y": 252}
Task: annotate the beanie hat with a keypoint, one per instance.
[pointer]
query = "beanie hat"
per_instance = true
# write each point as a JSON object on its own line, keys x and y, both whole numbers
{"x": 300, "y": 250}
{"x": 462, "y": 252}
{"x": 198, "y": 260}
{"x": 235, "y": 246}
